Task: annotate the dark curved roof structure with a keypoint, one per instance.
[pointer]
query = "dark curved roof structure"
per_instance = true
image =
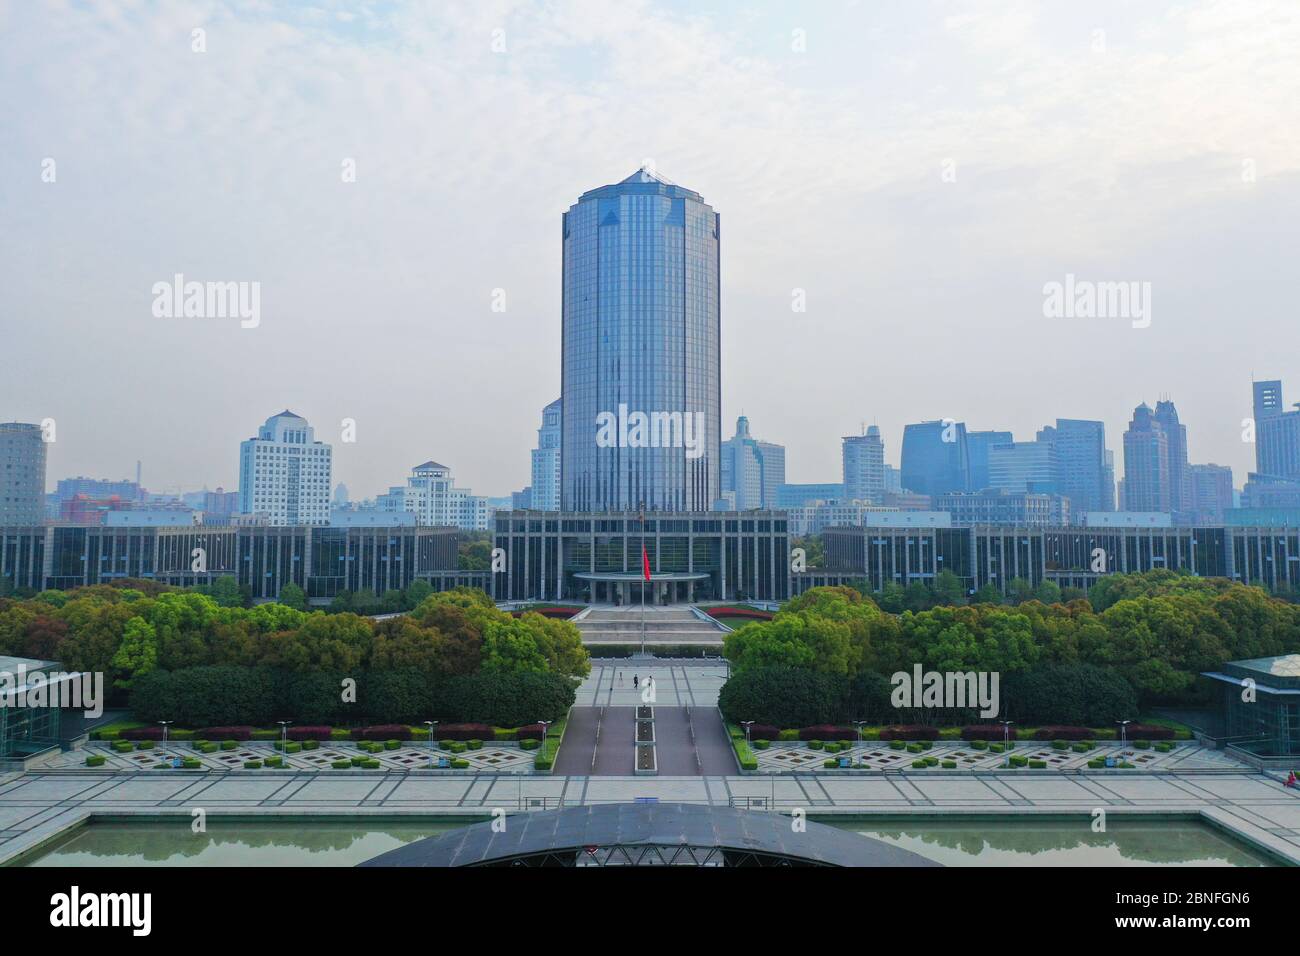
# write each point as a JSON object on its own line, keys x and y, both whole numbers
{"x": 649, "y": 834}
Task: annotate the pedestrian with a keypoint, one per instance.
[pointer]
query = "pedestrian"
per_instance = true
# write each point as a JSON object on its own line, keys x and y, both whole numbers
{"x": 635, "y": 680}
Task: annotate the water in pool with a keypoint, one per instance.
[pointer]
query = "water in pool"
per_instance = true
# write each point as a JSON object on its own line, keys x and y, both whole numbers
{"x": 349, "y": 842}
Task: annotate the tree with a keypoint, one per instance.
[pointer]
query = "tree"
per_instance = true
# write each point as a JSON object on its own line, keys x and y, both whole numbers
{"x": 1048, "y": 592}
{"x": 988, "y": 594}
{"x": 784, "y": 697}
{"x": 416, "y": 593}
{"x": 1019, "y": 590}
{"x": 137, "y": 654}
{"x": 948, "y": 588}
{"x": 293, "y": 596}
{"x": 226, "y": 592}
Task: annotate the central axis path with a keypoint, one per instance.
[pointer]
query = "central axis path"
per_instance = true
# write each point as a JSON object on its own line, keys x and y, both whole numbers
{"x": 689, "y": 741}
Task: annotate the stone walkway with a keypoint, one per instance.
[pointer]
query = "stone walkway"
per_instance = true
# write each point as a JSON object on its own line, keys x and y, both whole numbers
{"x": 1253, "y": 806}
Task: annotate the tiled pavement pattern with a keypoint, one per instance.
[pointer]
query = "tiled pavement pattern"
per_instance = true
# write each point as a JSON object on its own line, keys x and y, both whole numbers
{"x": 409, "y": 757}
{"x": 676, "y": 684}
{"x": 783, "y": 757}
{"x": 35, "y": 806}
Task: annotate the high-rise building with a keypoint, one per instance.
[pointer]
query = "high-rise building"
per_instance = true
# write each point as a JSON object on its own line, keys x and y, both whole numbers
{"x": 935, "y": 458}
{"x": 1211, "y": 493}
{"x": 99, "y": 489}
{"x": 544, "y": 492}
{"x": 430, "y": 493}
{"x": 864, "y": 467}
{"x": 1180, "y": 479}
{"x": 1277, "y": 433}
{"x": 284, "y": 473}
{"x": 1023, "y": 466}
{"x": 797, "y": 496}
{"x": 22, "y": 474}
{"x": 752, "y": 471}
{"x": 1146, "y": 463}
{"x": 893, "y": 480}
{"x": 1085, "y": 472}
{"x": 641, "y": 372}
{"x": 977, "y": 448}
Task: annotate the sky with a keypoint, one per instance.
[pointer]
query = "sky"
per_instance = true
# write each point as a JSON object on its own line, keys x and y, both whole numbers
{"x": 914, "y": 174}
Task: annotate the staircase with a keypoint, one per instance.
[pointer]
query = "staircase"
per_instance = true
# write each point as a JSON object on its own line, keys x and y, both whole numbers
{"x": 663, "y": 625}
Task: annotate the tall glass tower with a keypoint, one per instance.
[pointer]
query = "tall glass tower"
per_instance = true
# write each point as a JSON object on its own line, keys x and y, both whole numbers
{"x": 641, "y": 378}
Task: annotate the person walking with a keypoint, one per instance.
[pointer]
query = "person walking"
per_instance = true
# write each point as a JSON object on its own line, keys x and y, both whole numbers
{"x": 635, "y": 680}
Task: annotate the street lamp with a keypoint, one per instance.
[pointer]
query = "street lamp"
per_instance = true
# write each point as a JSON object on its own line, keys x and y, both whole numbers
{"x": 284, "y": 739}
{"x": 746, "y": 724}
{"x": 857, "y": 726}
{"x": 542, "y": 749}
{"x": 164, "y": 739}
{"x": 430, "y": 724}
{"x": 1123, "y": 733}
{"x": 1006, "y": 740}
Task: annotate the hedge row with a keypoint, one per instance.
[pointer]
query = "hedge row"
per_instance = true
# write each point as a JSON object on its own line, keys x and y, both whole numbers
{"x": 217, "y": 696}
{"x": 1074, "y": 694}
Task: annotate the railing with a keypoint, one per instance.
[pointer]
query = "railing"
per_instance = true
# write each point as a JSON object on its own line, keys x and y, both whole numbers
{"x": 600, "y": 722}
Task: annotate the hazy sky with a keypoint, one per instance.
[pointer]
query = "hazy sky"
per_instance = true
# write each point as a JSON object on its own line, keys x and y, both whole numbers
{"x": 919, "y": 170}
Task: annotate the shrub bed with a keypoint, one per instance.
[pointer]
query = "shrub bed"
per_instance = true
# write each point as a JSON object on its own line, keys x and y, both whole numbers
{"x": 822, "y": 732}
{"x": 310, "y": 733}
{"x": 909, "y": 732}
{"x": 382, "y": 732}
{"x": 1063, "y": 733}
{"x": 986, "y": 732}
{"x": 479, "y": 731}
{"x": 226, "y": 733}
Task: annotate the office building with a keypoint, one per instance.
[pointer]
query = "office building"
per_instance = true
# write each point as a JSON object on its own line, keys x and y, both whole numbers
{"x": 992, "y": 506}
{"x": 1085, "y": 469}
{"x": 284, "y": 473}
{"x": 863, "y": 462}
{"x": 934, "y": 460}
{"x": 798, "y": 495}
{"x": 430, "y": 493}
{"x": 1023, "y": 466}
{"x": 977, "y": 447}
{"x": 22, "y": 474}
{"x": 1146, "y": 463}
{"x": 544, "y": 492}
{"x": 1211, "y": 496}
{"x": 641, "y": 372}
{"x": 1277, "y": 433}
{"x": 753, "y": 471}
{"x": 1180, "y": 479}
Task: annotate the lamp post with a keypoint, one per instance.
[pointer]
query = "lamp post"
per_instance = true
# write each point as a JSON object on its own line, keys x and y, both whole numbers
{"x": 1006, "y": 740}
{"x": 1123, "y": 733}
{"x": 430, "y": 724}
{"x": 857, "y": 738}
{"x": 284, "y": 740}
{"x": 164, "y": 737}
{"x": 542, "y": 749}
{"x": 746, "y": 724}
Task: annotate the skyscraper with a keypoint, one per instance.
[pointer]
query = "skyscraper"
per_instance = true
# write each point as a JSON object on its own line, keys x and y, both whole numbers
{"x": 1180, "y": 478}
{"x": 1023, "y": 466}
{"x": 935, "y": 457}
{"x": 430, "y": 493}
{"x": 1211, "y": 492}
{"x": 544, "y": 492}
{"x": 752, "y": 471}
{"x": 1084, "y": 473}
{"x": 285, "y": 473}
{"x": 1146, "y": 463}
{"x": 977, "y": 447}
{"x": 641, "y": 373}
{"x": 864, "y": 466}
{"x": 1277, "y": 433}
{"x": 22, "y": 474}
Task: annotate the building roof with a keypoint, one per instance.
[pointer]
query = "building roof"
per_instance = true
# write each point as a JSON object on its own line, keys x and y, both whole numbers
{"x": 1272, "y": 674}
{"x": 430, "y": 464}
{"x": 650, "y": 833}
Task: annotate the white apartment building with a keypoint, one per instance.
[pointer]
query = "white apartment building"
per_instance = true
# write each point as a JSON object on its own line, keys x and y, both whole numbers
{"x": 817, "y": 516}
{"x": 284, "y": 473}
{"x": 431, "y": 494}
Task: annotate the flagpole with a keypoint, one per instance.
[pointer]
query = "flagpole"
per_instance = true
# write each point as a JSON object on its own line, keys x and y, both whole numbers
{"x": 646, "y": 564}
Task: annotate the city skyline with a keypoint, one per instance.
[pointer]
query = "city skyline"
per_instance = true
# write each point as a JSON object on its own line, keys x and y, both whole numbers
{"x": 862, "y": 204}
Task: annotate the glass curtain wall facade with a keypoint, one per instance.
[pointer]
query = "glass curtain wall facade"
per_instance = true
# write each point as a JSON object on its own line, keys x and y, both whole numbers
{"x": 641, "y": 334}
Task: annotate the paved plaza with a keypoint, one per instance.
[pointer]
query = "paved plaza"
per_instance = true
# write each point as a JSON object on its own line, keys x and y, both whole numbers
{"x": 784, "y": 757}
{"x": 1254, "y": 806}
{"x": 685, "y": 683}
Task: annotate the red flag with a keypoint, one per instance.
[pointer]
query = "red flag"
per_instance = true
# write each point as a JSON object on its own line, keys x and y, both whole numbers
{"x": 645, "y": 563}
